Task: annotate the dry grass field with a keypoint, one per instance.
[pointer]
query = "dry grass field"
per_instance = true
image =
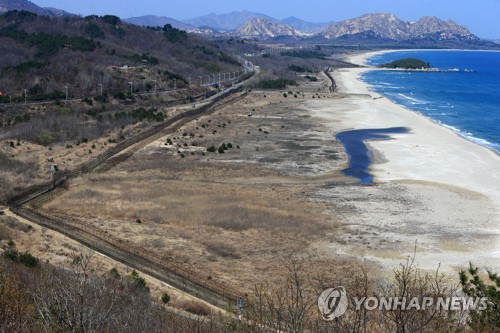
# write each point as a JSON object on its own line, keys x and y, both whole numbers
{"x": 239, "y": 217}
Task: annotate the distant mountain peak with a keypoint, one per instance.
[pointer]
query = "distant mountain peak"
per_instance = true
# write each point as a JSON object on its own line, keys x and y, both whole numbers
{"x": 388, "y": 26}
{"x": 10, "y": 5}
{"x": 265, "y": 27}
{"x": 227, "y": 22}
{"x": 308, "y": 27}
{"x": 158, "y": 21}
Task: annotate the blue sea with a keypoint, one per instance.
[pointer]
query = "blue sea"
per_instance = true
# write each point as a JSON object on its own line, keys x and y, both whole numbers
{"x": 467, "y": 100}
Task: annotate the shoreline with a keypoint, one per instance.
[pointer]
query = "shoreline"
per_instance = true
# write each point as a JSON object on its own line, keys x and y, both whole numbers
{"x": 349, "y": 82}
{"x": 432, "y": 157}
{"x": 361, "y": 58}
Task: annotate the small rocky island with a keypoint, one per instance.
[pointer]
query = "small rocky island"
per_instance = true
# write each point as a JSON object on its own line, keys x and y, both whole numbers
{"x": 407, "y": 63}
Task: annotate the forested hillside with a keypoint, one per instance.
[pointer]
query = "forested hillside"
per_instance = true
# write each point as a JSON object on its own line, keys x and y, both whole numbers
{"x": 44, "y": 55}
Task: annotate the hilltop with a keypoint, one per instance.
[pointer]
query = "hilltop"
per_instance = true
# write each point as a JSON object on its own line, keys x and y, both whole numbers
{"x": 43, "y": 54}
{"x": 266, "y": 27}
{"x": 387, "y": 29}
{"x": 10, "y": 5}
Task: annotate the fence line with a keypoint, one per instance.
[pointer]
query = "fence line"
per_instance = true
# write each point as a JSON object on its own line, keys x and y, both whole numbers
{"x": 124, "y": 251}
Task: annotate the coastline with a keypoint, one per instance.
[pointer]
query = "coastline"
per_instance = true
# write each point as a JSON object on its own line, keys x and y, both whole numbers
{"x": 457, "y": 180}
{"x": 361, "y": 59}
{"x": 350, "y": 82}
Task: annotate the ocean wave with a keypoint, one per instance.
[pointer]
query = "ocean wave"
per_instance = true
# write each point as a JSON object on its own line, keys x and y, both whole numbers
{"x": 434, "y": 114}
{"x": 413, "y": 101}
{"x": 466, "y": 104}
{"x": 453, "y": 128}
{"x": 469, "y": 136}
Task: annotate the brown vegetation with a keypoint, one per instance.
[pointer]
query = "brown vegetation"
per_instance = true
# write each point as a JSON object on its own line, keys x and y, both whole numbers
{"x": 46, "y": 68}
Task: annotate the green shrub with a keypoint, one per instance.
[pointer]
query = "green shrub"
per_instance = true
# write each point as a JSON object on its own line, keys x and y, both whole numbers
{"x": 119, "y": 95}
{"x": 276, "y": 84}
{"x": 174, "y": 35}
{"x": 111, "y": 19}
{"x": 299, "y": 69}
{"x": 312, "y": 78}
{"x": 165, "y": 298}
{"x": 24, "y": 258}
{"x": 475, "y": 286}
{"x": 88, "y": 101}
{"x": 137, "y": 281}
{"x": 46, "y": 137}
{"x": 114, "y": 273}
{"x": 211, "y": 149}
{"x": 145, "y": 58}
{"x": 142, "y": 114}
{"x": 93, "y": 31}
{"x": 28, "y": 260}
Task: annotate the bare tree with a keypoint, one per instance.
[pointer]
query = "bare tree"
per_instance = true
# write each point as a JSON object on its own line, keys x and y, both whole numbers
{"x": 76, "y": 302}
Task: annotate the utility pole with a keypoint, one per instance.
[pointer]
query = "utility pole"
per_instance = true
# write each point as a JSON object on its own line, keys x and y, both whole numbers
{"x": 175, "y": 84}
{"x": 189, "y": 80}
{"x": 100, "y": 86}
{"x": 201, "y": 80}
{"x": 155, "y": 86}
{"x": 219, "y": 78}
{"x": 67, "y": 87}
{"x": 25, "y": 96}
{"x": 131, "y": 87}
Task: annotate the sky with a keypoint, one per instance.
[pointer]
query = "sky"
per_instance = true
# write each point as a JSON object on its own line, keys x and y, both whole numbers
{"x": 480, "y": 16}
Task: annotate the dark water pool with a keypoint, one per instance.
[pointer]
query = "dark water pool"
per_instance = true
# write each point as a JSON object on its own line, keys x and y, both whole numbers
{"x": 360, "y": 157}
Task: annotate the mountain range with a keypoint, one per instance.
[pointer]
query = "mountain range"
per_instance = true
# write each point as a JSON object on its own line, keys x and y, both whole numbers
{"x": 376, "y": 29}
{"x": 229, "y": 22}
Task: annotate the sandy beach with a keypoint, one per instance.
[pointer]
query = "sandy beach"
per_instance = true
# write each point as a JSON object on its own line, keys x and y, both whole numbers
{"x": 456, "y": 182}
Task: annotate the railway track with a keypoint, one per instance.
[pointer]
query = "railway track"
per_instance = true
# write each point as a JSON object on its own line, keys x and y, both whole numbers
{"x": 333, "y": 85}
{"x": 163, "y": 269}
{"x": 126, "y": 252}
